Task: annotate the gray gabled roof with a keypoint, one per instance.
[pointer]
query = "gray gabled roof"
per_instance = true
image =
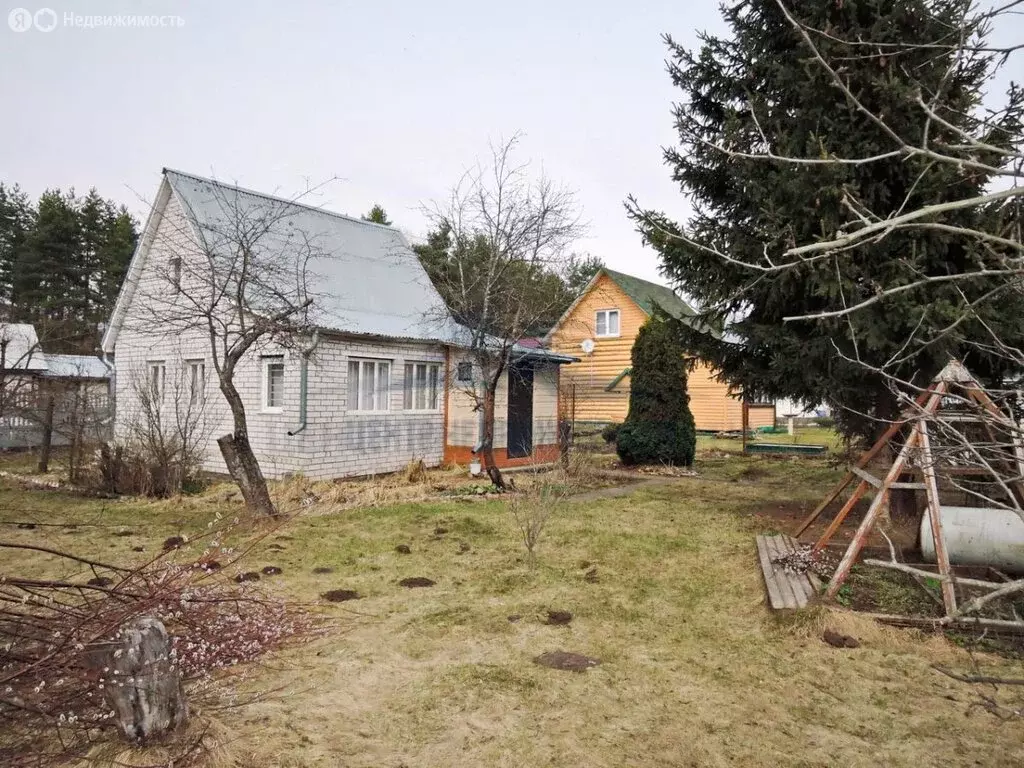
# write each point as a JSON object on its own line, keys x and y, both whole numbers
{"x": 75, "y": 367}
{"x": 366, "y": 278}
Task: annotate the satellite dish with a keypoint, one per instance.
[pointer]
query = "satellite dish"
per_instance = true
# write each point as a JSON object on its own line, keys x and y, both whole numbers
{"x": 587, "y": 346}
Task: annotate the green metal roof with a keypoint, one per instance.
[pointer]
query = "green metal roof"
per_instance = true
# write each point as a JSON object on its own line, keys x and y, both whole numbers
{"x": 646, "y": 294}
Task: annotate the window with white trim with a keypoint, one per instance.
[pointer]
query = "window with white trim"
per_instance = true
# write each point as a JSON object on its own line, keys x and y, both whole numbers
{"x": 273, "y": 383}
{"x": 157, "y": 379}
{"x": 421, "y": 383}
{"x": 606, "y": 322}
{"x": 369, "y": 385}
{"x": 195, "y": 371}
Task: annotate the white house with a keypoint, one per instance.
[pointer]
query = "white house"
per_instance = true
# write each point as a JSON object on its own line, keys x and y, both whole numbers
{"x": 70, "y": 392}
{"x": 381, "y": 382}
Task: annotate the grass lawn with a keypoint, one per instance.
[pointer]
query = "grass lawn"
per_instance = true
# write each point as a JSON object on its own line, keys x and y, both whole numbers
{"x": 695, "y": 670}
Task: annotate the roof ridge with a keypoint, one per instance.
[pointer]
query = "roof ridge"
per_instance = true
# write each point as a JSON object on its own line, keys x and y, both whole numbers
{"x": 279, "y": 199}
{"x": 639, "y": 279}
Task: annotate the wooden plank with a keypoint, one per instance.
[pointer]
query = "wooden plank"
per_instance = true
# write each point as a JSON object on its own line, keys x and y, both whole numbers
{"x": 862, "y": 462}
{"x": 935, "y": 520}
{"x": 837, "y": 521}
{"x": 863, "y": 474}
{"x": 813, "y": 583}
{"x": 898, "y": 466}
{"x": 789, "y": 582}
{"x": 775, "y": 596}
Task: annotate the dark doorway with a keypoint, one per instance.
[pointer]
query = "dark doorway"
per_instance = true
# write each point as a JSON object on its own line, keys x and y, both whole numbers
{"x": 520, "y": 411}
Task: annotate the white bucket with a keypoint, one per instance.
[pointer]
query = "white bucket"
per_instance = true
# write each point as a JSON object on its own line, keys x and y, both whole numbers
{"x": 474, "y": 468}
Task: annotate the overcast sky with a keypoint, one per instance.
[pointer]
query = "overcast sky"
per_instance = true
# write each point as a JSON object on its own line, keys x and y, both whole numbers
{"x": 395, "y": 99}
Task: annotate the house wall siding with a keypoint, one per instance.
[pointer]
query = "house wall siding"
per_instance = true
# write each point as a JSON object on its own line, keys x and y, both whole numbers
{"x": 342, "y": 443}
{"x": 463, "y": 419}
{"x": 610, "y": 357}
{"x": 712, "y": 405}
{"x": 335, "y": 443}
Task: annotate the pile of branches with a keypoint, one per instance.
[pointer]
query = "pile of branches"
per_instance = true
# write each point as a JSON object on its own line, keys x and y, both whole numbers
{"x": 53, "y": 705}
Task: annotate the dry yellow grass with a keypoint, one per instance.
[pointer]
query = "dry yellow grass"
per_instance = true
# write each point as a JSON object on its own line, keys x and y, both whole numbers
{"x": 695, "y": 670}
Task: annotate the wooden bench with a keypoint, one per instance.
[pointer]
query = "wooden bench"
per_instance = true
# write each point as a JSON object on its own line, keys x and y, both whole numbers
{"x": 786, "y": 590}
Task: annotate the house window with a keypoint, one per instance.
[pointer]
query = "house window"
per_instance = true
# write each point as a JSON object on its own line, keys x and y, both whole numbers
{"x": 464, "y": 372}
{"x": 196, "y": 372}
{"x": 273, "y": 383}
{"x": 607, "y": 322}
{"x": 157, "y": 379}
{"x": 369, "y": 385}
{"x": 421, "y": 386}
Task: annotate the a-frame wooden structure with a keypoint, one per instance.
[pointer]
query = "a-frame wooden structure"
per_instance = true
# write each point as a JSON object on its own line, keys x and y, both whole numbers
{"x": 915, "y": 457}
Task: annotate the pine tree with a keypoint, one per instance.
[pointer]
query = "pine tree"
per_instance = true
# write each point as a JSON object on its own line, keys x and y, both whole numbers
{"x": 659, "y": 427}
{"x": 62, "y": 263}
{"x": 377, "y": 215}
{"x": 47, "y": 282}
{"x": 758, "y": 89}
{"x": 16, "y": 219}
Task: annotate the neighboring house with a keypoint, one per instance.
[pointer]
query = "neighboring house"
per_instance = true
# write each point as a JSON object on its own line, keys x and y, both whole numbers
{"x": 386, "y": 382}
{"x": 601, "y": 326}
{"x": 70, "y": 391}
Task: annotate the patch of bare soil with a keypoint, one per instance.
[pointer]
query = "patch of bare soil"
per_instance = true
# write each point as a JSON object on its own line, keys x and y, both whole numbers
{"x": 839, "y": 640}
{"x": 247, "y": 576}
{"x": 416, "y": 581}
{"x": 787, "y": 516}
{"x": 322, "y": 569}
{"x": 558, "y": 618}
{"x": 566, "y": 660}
{"x": 340, "y": 595}
{"x": 271, "y": 570}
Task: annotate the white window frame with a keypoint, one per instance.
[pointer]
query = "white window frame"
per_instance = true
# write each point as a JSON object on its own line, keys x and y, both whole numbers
{"x": 379, "y": 397}
{"x": 156, "y": 376}
{"x": 430, "y": 386}
{"x": 195, "y": 370}
{"x": 608, "y": 313}
{"x": 266, "y": 361}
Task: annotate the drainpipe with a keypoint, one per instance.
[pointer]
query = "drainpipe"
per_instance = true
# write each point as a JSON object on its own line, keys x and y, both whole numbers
{"x": 303, "y": 383}
{"x": 112, "y": 385}
{"x": 480, "y": 420}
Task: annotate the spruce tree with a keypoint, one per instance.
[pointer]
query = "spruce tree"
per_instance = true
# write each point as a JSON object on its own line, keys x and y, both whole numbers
{"x": 16, "y": 219}
{"x": 659, "y": 427}
{"x": 758, "y": 89}
{"x": 377, "y": 215}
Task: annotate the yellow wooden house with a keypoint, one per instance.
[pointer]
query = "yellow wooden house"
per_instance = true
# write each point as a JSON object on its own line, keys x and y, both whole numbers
{"x": 600, "y": 327}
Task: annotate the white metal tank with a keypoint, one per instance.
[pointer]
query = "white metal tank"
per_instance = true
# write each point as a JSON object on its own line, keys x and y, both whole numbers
{"x": 978, "y": 536}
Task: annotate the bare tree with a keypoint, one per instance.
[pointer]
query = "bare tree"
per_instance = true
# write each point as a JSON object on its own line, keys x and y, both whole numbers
{"x": 238, "y": 278}
{"x": 506, "y": 234}
{"x": 168, "y": 432}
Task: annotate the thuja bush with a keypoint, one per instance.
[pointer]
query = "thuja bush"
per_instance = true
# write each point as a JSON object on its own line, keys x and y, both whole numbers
{"x": 659, "y": 428}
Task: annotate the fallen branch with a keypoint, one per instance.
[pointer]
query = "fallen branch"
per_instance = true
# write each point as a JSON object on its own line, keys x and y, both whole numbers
{"x": 987, "y": 679}
{"x": 932, "y": 575}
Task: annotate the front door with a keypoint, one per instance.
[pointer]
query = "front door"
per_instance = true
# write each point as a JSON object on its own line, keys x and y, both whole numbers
{"x": 520, "y": 411}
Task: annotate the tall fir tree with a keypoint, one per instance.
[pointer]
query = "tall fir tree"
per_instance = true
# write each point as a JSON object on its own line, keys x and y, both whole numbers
{"x": 758, "y": 89}
{"x": 62, "y": 263}
{"x": 17, "y": 217}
